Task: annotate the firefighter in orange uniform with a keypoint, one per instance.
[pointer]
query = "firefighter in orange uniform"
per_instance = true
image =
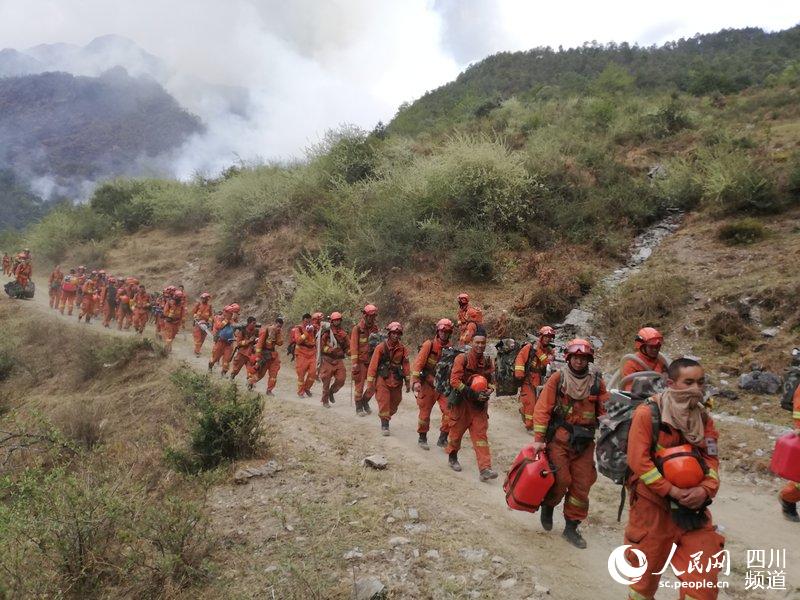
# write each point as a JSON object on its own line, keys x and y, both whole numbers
{"x": 222, "y": 330}
{"x": 648, "y": 355}
{"x": 790, "y": 494}
{"x": 388, "y": 370}
{"x": 109, "y": 301}
{"x": 360, "y": 355}
{"x": 201, "y": 315}
{"x": 69, "y": 287}
{"x": 333, "y": 347}
{"x": 530, "y": 367}
{"x": 266, "y": 358}
{"x": 140, "y": 303}
{"x": 244, "y": 339}
{"x": 23, "y": 272}
{"x": 87, "y": 303}
{"x": 469, "y": 317}
{"x": 674, "y": 477}
{"x": 173, "y": 317}
{"x": 422, "y": 374}
{"x": 305, "y": 353}
{"x": 56, "y": 277}
{"x": 6, "y": 264}
{"x": 564, "y": 421}
{"x": 471, "y": 412}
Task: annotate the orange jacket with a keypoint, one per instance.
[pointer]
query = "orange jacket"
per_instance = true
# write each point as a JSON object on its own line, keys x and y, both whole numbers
{"x": 359, "y": 342}
{"x": 341, "y": 339}
{"x": 140, "y": 301}
{"x": 202, "y": 311}
{"x": 576, "y": 412}
{"x": 173, "y": 311}
{"x": 246, "y": 338}
{"x": 396, "y": 356}
{"x": 645, "y": 477}
{"x": 88, "y": 287}
{"x": 533, "y": 364}
{"x": 425, "y": 363}
{"x": 24, "y": 270}
{"x": 631, "y": 366}
{"x": 796, "y": 408}
{"x": 269, "y": 338}
{"x": 468, "y": 320}
{"x": 55, "y": 277}
{"x": 305, "y": 341}
{"x": 467, "y": 365}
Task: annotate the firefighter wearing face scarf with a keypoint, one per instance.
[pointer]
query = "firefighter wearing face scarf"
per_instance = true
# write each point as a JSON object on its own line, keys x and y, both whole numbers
{"x": 648, "y": 355}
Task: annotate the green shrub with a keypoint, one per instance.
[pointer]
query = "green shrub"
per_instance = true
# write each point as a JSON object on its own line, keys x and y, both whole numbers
{"x": 68, "y": 226}
{"x": 6, "y": 364}
{"x": 474, "y": 255}
{"x": 116, "y": 352}
{"x": 228, "y": 426}
{"x": 732, "y": 183}
{"x": 345, "y": 155}
{"x": 680, "y": 187}
{"x": 742, "y": 232}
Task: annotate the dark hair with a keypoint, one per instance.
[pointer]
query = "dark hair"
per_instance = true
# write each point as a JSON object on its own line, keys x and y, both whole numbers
{"x": 674, "y": 369}
{"x": 480, "y": 330}
{"x": 251, "y": 320}
{"x": 279, "y": 319}
{"x": 307, "y": 316}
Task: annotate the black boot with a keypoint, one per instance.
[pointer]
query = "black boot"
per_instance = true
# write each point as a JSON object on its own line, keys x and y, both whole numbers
{"x": 790, "y": 511}
{"x": 546, "y": 516}
{"x": 572, "y": 535}
{"x": 452, "y": 458}
{"x": 384, "y": 427}
{"x": 360, "y": 409}
{"x": 442, "y": 441}
{"x": 423, "y": 441}
{"x": 365, "y": 405}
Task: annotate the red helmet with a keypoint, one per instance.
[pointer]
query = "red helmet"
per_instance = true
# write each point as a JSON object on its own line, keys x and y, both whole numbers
{"x": 178, "y": 294}
{"x": 205, "y": 295}
{"x": 234, "y": 307}
{"x": 317, "y": 316}
{"x": 94, "y": 272}
{"x": 479, "y": 384}
{"x": 169, "y": 289}
{"x": 112, "y": 279}
{"x": 579, "y": 347}
{"x": 649, "y": 336}
{"x": 370, "y": 309}
{"x": 547, "y": 330}
{"x": 680, "y": 466}
{"x": 336, "y": 316}
{"x": 444, "y": 324}
{"x": 394, "y": 326}
{"x": 464, "y": 297}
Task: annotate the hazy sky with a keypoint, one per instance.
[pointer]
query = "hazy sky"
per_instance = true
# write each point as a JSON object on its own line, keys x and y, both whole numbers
{"x": 312, "y": 64}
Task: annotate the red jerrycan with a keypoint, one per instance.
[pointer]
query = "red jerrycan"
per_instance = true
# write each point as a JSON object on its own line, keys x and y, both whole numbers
{"x": 786, "y": 457}
{"x": 528, "y": 480}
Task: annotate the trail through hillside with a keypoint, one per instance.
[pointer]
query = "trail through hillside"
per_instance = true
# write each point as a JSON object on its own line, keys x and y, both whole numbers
{"x": 748, "y": 514}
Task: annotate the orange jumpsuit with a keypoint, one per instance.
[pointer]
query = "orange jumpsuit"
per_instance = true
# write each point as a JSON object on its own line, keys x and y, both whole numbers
{"x": 650, "y": 527}
{"x": 387, "y": 370}
{"x": 201, "y": 313}
{"x": 23, "y": 273}
{"x": 265, "y": 356}
{"x": 124, "y": 312}
{"x": 468, "y": 320}
{"x": 6, "y": 264}
{"x": 221, "y": 349}
{"x": 69, "y": 288}
{"x": 79, "y": 291}
{"x": 55, "y": 287}
{"x": 467, "y": 414}
{"x": 244, "y": 340}
{"x": 530, "y": 367}
{"x": 87, "y": 304}
{"x": 642, "y": 363}
{"x": 140, "y": 303}
{"x": 359, "y": 354}
{"x": 423, "y": 370}
{"x": 332, "y": 366}
{"x": 791, "y": 491}
{"x": 173, "y": 317}
{"x": 575, "y": 471}
{"x": 305, "y": 356}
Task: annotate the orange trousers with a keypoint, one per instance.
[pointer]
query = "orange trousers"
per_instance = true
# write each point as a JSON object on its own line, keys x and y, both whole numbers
{"x": 67, "y": 301}
{"x": 651, "y": 530}
{"x": 527, "y": 398}
{"x": 199, "y": 338}
{"x": 239, "y": 361}
{"x": 791, "y": 492}
{"x": 170, "y": 332}
{"x": 388, "y": 397}
{"x": 87, "y": 308}
{"x": 254, "y": 375}
{"x": 332, "y": 374}
{"x": 306, "y": 369}
{"x": 223, "y": 351}
{"x": 464, "y": 417}
{"x": 427, "y": 398}
{"x": 140, "y": 317}
{"x": 575, "y": 474}
{"x": 359, "y": 379}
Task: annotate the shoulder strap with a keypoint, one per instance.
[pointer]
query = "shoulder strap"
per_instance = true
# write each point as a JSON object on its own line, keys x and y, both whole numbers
{"x": 655, "y": 421}
{"x": 635, "y": 359}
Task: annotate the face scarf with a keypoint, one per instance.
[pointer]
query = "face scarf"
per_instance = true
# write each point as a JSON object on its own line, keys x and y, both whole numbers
{"x": 681, "y": 409}
{"x": 577, "y": 385}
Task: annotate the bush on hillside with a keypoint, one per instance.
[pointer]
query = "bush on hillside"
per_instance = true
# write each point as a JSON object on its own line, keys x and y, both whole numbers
{"x": 473, "y": 257}
{"x": 680, "y": 187}
{"x": 345, "y": 155}
{"x": 733, "y": 183}
{"x": 68, "y": 226}
{"x": 742, "y": 232}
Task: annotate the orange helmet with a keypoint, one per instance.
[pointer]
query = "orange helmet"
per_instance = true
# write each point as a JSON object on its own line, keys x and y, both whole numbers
{"x": 479, "y": 384}
{"x": 444, "y": 324}
{"x": 317, "y": 315}
{"x": 680, "y": 466}
{"x": 370, "y": 309}
{"x": 464, "y": 297}
{"x": 167, "y": 290}
{"x": 649, "y": 336}
{"x": 336, "y": 316}
{"x": 394, "y": 326}
{"x": 579, "y": 347}
{"x": 205, "y": 295}
{"x": 178, "y": 294}
{"x": 547, "y": 330}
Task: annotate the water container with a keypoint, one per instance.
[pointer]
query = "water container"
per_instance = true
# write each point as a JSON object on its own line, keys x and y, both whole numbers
{"x": 528, "y": 480}
{"x": 786, "y": 457}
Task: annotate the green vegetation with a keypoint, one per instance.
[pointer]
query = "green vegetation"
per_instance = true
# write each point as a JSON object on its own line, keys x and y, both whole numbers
{"x": 742, "y": 232}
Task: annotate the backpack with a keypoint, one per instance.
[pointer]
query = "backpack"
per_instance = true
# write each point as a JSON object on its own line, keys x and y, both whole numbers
{"x": 611, "y": 449}
{"x": 226, "y": 334}
{"x": 790, "y": 382}
{"x": 441, "y": 376}
{"x": 506, "y": 383}
{"x": 616, "y": 378}
{"x": 374, "y": 340}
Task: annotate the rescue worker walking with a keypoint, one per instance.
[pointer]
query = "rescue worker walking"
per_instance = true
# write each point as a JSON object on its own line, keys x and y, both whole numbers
{"x": 469, "y": 318}
{"x": 173, "y": 317}
{"x": 6, "y": 264}
{"x": 422, "y": 377}
{"x": 305, "y": 354}
{"x": 87, "y": 303}
{"x": 222, "y": 330}
{"x": 54, "y": 281}
{"x": 360, "y": 354}
{"x": 564, "y": 423}
{"x": 266, "y": 358}
{"x": 648, "y": 355}
{"x": 201, "y": 315}
{"x": 530, "y": 367}
{"x": 790, "y": 494}
{"x": 674, "y": 476}
{"x": 471, "y": 378}
{"x": 333, "y": 347}
{"x": 109, "y": 301}
{"x": 388, "y": 370}
{"x": 69, "y": 288}
{"x": 23, "y": 272}
{"x": 141, "y": 304}
{"x": 244, "y": 339}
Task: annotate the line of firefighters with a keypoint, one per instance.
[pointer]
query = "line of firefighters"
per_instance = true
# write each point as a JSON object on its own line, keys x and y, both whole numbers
{"x": 668, "y": 512}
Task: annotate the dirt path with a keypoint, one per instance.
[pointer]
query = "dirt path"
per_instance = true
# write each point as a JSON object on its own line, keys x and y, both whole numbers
{"x": 748, "y": 514}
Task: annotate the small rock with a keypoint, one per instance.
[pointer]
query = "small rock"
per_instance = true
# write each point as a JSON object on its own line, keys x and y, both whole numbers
{"x": 770, "y": 332}
{"x": 398, "y": 513}
{"x": 499, "y": 559}
{"x": 245, "y": 474}
{"x": 353, "y": 554}
{"x": 473, "y": 555}
{"x": 288, "y": 527}
{"x": 432, "y": 554}
{"x": 376, "y": 461}
{"x": 507, "y": 584}
{"x": 759, "y": 452}
{"x": 415, "y": 552}
{"x": 413, "y": 514}
{"x": 399, "y": 541}
{"x": 416, "y": 528}
{"x": 271, "y": 569}
{"x": 540, "y": 589}
{"x": 479, "y": 575}
{"x": 741, "y": 445}
{"x": 390, "y": 520}
{"x": 369, "y": 588}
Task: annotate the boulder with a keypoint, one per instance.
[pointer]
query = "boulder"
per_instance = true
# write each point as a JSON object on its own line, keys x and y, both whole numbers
{"x": 369, "y": 588}
{"x": 760, "y": 382}
{"x": 375, "y": 461}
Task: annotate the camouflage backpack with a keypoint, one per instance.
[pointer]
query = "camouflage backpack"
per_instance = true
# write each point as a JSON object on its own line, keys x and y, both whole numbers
{"x": 441, "y": 376}
{"x": 506, "y": 383}
{"x": 374, "y": 340}
{"x": 790, "y": 382}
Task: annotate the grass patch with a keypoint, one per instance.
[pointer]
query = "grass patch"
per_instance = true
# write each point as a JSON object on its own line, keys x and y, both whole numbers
{"x": 742, "y": 232}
